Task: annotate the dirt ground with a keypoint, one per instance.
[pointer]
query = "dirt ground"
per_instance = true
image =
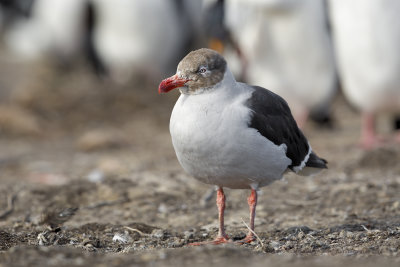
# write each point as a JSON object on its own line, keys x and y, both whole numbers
{"x": 89, "y": 177}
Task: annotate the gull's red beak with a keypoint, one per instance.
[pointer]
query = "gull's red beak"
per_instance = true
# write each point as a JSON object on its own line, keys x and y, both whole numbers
{"x": 171, "y": 83}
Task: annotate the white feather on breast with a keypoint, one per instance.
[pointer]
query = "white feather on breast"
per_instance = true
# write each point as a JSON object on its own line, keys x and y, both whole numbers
{"x": 213, "y": 142}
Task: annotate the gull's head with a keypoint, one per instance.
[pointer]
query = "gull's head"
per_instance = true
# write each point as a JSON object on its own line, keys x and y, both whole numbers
{"x": 198, "y": 71}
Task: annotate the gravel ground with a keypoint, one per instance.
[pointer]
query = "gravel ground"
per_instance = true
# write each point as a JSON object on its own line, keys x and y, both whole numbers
{"x": 89, "y": 176}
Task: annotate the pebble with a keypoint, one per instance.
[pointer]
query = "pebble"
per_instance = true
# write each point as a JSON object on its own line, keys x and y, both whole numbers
{"x": 301, "y": 235}
{"x": 188, "y": 234}
{"x": 95, "y": 176}
{"x": 275, "y": 245}
{"x": 162, "y": 208}
{"x": 343, "y": 234}
{"x": 159, "y": 233}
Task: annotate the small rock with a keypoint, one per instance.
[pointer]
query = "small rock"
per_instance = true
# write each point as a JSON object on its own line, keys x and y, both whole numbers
{"x": 343, "y": 234}
{"x": 91, "y": 243}
{"x": 301, "y": 235}
{"x": 159, "y": 233}
{"x": 95, "y": 176}
{"x": 267, "y": 249}
{"x": 297, "y": 229}
{"x": 162, "y": 208}
{"x": 177, "y": 243}
{"x": 188, "y": 234}
{"x": 332, "y": 236}
{"x": 275, "y": 245}
{"x": 349, "y": 234}
{"x": 73, "y": 241}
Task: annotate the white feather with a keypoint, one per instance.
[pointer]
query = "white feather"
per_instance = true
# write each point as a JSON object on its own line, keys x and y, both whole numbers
{"x": 298, "y": 168}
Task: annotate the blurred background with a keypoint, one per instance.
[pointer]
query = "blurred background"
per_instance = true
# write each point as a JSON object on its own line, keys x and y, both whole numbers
{"x": 85, "y": 63}
{"x": 79, "y": 107}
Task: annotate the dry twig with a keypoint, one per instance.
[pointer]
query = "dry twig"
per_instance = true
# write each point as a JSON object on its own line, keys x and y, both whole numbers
{"x": 254, "y": 233}
{"x": 136, "y": 230}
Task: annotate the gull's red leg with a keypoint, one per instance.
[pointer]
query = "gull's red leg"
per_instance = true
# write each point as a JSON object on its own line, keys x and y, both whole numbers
{"x": 222, "y": 236}
{"x": 252, "y": 201}
{"x": 397, "y": 137}
{"x": 221, "y": 210}
{"x": 369, "y": 138}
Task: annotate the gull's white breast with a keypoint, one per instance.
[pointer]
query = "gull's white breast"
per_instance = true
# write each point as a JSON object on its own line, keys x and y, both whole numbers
{"x": 213, "y": 142}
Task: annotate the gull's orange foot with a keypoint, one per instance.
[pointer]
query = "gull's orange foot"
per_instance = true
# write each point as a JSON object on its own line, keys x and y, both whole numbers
{"x": 247, "y": 240}
{"x": 219, "y": 240}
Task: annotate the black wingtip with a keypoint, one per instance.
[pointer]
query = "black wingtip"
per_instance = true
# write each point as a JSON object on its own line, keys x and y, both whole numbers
{"x": 316, "y": 162}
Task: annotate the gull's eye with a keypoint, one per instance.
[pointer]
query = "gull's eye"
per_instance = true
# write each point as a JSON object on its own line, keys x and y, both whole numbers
{"x": 202, "y": 70}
